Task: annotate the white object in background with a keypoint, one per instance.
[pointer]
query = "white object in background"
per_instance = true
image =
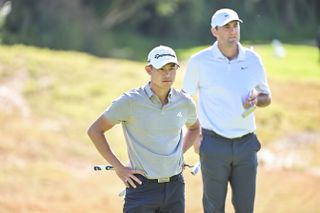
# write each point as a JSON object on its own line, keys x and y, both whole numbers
{"x": 278, "y": 49}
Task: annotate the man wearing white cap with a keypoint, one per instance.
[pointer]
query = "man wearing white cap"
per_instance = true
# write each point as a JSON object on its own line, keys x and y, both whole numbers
{"x": 231, "y": 83}
{"x": 152, "y": 118}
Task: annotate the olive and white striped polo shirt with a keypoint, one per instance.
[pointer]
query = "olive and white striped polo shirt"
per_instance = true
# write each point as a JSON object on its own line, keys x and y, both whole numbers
{"x": 153, "y": 131}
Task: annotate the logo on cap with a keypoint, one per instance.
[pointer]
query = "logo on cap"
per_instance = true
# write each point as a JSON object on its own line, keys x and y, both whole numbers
{"x": 224, "y": 16}
{"x": 161, "y": 55}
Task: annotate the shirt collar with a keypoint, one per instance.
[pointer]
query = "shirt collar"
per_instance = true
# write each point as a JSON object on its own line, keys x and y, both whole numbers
{"x": 151, "y": 94}
{"x": 217, "y": 54}
{"x": 148, "y": 90}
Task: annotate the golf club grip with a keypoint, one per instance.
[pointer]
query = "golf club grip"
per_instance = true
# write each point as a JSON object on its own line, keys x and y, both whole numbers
{"x": 248, "y": 111}
{"x": 102, "y": 167}
{"x": 196, "y": 168}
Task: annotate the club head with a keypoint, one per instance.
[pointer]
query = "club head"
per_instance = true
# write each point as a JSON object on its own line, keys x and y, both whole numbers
{"x": 122, "y": 194}
{"x": 97, "y": 168}
{"x": 102, "y": 167}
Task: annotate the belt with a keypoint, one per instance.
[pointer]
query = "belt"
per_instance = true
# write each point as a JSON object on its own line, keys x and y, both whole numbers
{"x": 159, "y": 180}
{"x": 213, "y": 133}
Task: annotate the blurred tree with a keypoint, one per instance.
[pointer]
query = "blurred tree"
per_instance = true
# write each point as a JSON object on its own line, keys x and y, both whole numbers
{"x": 115, "y": 12}
{"x": 103, "y": 27}
{"x": 122, "y": 10}
{"x": 57, "y": 24}
{"x": 5, "y": 9}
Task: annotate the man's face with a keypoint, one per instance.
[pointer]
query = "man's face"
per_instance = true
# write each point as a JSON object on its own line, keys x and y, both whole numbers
{"x": 228, "y": 34}
{"x": 163, "y": 77}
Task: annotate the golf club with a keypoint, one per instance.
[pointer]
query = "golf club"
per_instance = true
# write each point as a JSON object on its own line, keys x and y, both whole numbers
{"x": 248, "y": 111}
{"x": 194, "y": 170}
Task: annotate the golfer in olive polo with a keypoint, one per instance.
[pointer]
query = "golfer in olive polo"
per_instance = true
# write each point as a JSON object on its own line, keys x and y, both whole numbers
{"x": 152, "y": 118}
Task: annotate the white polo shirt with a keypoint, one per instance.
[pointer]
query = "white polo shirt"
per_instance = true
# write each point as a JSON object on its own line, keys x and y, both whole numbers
{"x": 223, "y": 86}
{"x": 153, "y": 131}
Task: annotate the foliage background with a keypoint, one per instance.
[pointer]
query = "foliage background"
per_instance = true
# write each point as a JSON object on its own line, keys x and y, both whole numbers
{"x": 128, "y": 29}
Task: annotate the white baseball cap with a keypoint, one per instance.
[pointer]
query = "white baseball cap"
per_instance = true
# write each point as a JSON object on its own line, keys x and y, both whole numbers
{"x": 161, "y": 55}
{"x": 224, "y": 16}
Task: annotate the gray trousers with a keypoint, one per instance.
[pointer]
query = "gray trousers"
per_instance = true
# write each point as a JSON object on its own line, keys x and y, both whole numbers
{"x": 228, "y": 160}
{"x": 152, "y": 197}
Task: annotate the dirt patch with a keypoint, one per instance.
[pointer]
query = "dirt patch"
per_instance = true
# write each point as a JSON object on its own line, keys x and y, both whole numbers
{"x": 296, "y": 95}
{"x": 295, "y": 151}
{"x": 11, "y": 95}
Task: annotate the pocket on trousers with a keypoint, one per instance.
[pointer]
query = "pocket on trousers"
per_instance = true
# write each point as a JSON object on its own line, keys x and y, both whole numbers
{"x": 181, "y": 179}
{"x": 257, "y": 143}
{"x": 202, "y": 143}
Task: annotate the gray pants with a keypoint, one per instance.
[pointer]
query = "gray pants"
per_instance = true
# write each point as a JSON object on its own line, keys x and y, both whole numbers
{"x": 228, "y": 160}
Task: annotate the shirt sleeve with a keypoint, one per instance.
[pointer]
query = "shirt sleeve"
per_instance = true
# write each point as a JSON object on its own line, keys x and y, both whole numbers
{"x": 191, "y": 78}
{"x": 119, "y": 110}
{"x": 192, "y": 113}
{"x": 262, "y": 85}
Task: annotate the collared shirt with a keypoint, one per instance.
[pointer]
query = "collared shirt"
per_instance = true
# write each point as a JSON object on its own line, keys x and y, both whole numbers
{"x": 223, "y": 87}
{"x": 153, "y": 131}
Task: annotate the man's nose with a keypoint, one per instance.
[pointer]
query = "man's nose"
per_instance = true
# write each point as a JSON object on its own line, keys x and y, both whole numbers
{"x": 233, "y": 29}
{"x": 167, "y": 73}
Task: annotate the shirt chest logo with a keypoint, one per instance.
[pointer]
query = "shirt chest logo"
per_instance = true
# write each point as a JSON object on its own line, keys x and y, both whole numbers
{"x": 244, "y": 68}
{"x": 179, "y": 114}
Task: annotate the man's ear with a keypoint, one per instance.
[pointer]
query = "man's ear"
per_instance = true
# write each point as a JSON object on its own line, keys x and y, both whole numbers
{"x": 148, "y": 69}
{"x": 214, "y": 31}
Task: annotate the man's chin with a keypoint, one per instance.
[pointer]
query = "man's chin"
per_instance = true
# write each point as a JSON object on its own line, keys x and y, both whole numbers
{"x": 167, "y": 83}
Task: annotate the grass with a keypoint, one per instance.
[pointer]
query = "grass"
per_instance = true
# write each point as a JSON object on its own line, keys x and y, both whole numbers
{"x": 46, "y": 157}
{"x": 301, "y": 62}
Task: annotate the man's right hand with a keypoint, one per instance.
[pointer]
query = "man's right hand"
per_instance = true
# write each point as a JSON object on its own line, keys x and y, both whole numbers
{"x": 127, "y": 175}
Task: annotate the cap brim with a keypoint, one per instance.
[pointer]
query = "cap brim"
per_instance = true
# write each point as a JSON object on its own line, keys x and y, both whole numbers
{"x": 160, "y": 64}
{"x": 230, "y": 20}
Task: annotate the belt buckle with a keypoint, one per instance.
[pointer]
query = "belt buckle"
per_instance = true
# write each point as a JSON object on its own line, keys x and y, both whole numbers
{"x": 164, "y": 180}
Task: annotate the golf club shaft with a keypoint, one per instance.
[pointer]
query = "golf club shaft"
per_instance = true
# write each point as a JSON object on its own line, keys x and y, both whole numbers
{"x": 102, "y": 167}
{"x": 194, "y": 168}
{"x": 248, "y": 111}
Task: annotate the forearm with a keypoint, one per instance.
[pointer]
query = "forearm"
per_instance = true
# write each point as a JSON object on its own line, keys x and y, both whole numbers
{"x": 263, "y": 100}
{"x": 191, "y": 136}
{"x": 100, "y": 142}
{"x": 96, "y": 133}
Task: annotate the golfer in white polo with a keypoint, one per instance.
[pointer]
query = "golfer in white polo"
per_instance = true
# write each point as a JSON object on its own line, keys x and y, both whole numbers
{"x": 231, "y": 82}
